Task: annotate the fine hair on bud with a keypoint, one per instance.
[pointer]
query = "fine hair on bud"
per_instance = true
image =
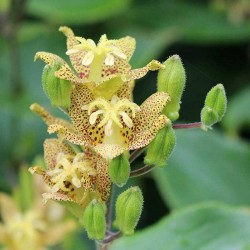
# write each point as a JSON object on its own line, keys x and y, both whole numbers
{"x": 94, "y": 220}
{"x": 161, "y": 147}
{"x": 215, "y": 106}
{"x": 171, "y": 80}
{"x": 129, "y": 206}
{"x": 58, "y": 90}
{"x": 119, "y": 169}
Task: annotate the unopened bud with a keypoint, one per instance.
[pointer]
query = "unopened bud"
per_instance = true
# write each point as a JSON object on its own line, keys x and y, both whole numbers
{"x": 58, "y": 90}
{"x": 94, "y": 220}
{"x": 129, "y": 206}
{"x": 215, "y": 106}
{"x": 172, "y": 80}
{"x": 161, "y": 147}
{"x": 119, "y": 169}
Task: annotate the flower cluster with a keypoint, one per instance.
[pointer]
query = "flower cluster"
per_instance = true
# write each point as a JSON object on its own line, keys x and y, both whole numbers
{"x": 104, "y": 120}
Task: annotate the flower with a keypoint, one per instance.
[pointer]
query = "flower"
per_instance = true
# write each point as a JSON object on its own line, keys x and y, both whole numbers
{"x": 109, "y": 126}
{"x": 34, "y": 228}
{"x": 74, "y": 178}
{"x": 100, "y": 67}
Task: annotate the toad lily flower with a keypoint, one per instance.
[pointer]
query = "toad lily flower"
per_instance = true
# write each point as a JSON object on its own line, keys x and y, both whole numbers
{"x": 33, "y": 228}
{"x": 112, "y": 126}
{"x": 75, "y": 178}
{"x": 100, "y": 66}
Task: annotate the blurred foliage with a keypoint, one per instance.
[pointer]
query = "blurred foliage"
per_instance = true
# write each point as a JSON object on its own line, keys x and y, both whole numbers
{"x": 212, "y": 38}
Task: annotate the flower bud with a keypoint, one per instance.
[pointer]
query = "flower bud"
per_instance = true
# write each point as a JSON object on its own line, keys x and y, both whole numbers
{"x": 119, "y": 170}
{"x": 215, "y": 106}
{"x": 172, "y": 80}
{"x": 129, "y": 206}
{"x": 58, "y": 90}
{"x": 94, "y": 220}
{"x": 161, "y": 147}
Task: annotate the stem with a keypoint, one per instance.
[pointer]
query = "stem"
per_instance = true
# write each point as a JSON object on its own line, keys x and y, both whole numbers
{"x": 141, "y": 171}
{"x": 109, "y": 209}
{"x": 136, "y": 153}
{"x": 187, "y": 125}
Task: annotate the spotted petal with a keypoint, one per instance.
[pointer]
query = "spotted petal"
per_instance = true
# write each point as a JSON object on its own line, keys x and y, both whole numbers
{"x": 144, "y": 137}
{"x": 47, "y": 117}
{"x": 139, "y": 73}
{"x": 150, "y": 111}
{"x": 65, "y": 72}
{"x": 75, "y": 58}
{"x": 52, "y": 147}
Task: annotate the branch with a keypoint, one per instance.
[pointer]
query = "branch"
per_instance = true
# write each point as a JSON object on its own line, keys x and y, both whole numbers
{"x": 187, "y": 125}
{"x": 141, "y": 171}
{"x": 135, "y": 154}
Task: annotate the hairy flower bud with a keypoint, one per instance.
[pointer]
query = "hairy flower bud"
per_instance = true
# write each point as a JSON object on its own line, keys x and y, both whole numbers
{"x": 94, "y": 220}
{"x": 58, "y": 90}
{"x": 161, "y": 147}
{"x": 215, "y": 106}
{"x": 129, "y": 206}
{"x": 119, "y": 170}
{"x": 172, "y": 80}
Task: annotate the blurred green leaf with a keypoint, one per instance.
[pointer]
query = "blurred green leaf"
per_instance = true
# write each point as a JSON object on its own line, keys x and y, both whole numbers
{"x": 204, "y": 226}
{"x": 205, "y": 166}
{"x": 24, "y": 194}
{"x": 238, "y": 114}
{"x": 76, "y": 11}
{"x": 195, "y": 23}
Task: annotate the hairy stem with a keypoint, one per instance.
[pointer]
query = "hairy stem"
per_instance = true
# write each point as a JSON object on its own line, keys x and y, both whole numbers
{"x": 135, "y": 154}
{"x": 187, "y": 125}
{"x": 141, "y": 171}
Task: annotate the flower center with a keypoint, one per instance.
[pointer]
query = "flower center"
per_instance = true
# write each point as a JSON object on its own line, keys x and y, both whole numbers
{"x": 70, "y": 170}
{"x": 25, "y": 227}
{"x": 111, "y": 112}
{"x": 105, "y": 50}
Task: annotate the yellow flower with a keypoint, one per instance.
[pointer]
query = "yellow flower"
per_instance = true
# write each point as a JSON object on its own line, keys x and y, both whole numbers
{"x": 109, "y": 126}
{"x": 34, "y": 228}
{"x": 100, "y": 67}
{"x": 75, "y": 178}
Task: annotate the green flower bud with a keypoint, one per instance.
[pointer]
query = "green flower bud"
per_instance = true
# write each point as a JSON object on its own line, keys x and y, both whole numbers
{"x": 119, "y": 170}
{"x": 58, "y": 90}
{"x": 129, "y": 206}
{"x": 94, "y": 220}
{"x": 215, "y": 106}
{"x": 172, "y": 80}
{"x": 161, "y": 147}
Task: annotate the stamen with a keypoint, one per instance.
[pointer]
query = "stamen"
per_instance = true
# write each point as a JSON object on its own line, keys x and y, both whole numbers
{"x": 126, "y": 119}
{"x": 94, "y": 116}
{"x": 88, "y": 58}
{"x": 70, "y": 169}
{"x": 113, "y": 111}
{"x": 109, "y": 60}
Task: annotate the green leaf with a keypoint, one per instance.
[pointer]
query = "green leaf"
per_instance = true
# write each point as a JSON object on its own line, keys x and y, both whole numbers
{"x": 194, "y": 23}
{"x": 204, "y": 226}
{"x": 238, "y": 115}
{"x": 205, "y": 166}
{"x": 76, "y": 11}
